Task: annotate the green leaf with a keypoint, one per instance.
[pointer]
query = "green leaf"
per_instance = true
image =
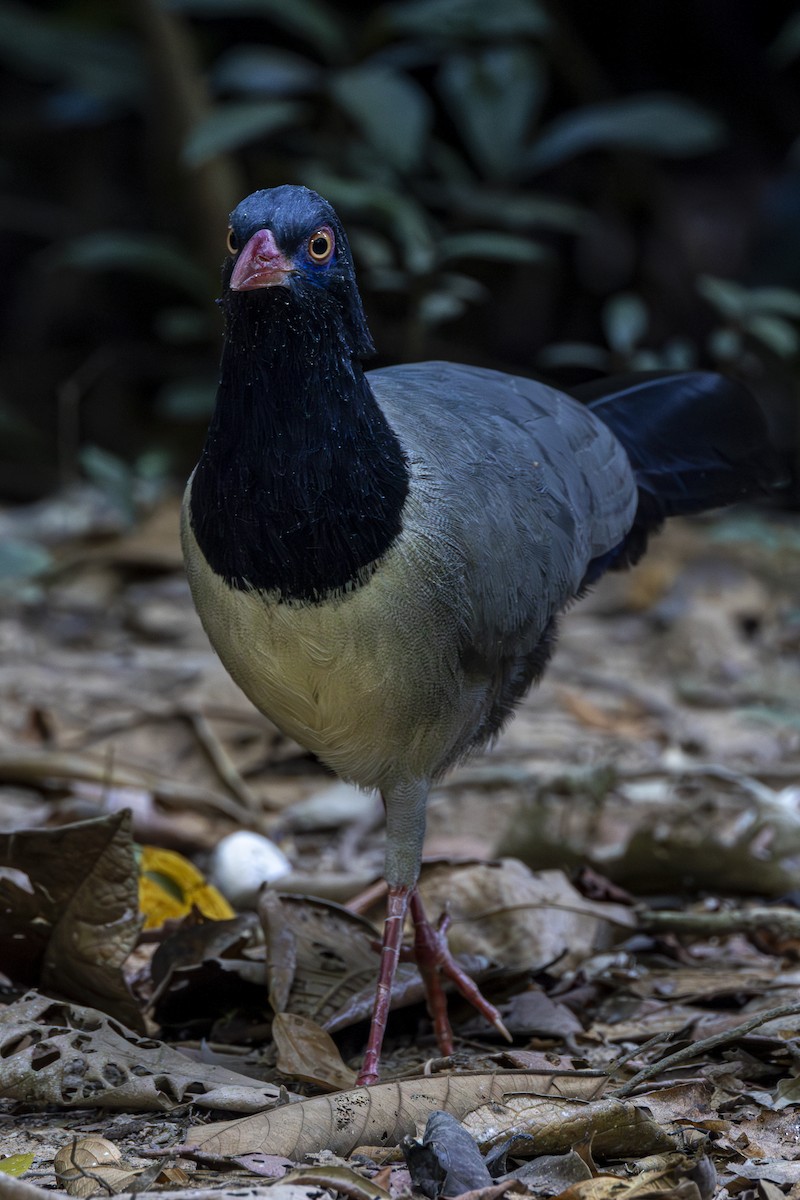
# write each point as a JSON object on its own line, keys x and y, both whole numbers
{"x": 656, "y": 123}
{"x": 140, "y": 253}
{"x": 187, "y": 399}
{"x": 492, "y": 245}
{"x": 468, "y": 18}
{"x": 574, "y": 354}
{"x": 450, "y": 298}
{"x": 371, "y": 249}
{"x": 21, "y": 560}
{"x": 624, "y": 322}
{"x": 679, "y": 354}
{"x": 314, "y": 22}
{"x": 518, "y": 209}
{"x": 725, "y": 345}
{"x": 786, "y": 46}
{"x": 784, "y": 301}
{"x": 182, "y": 325}
{"x": 728, "y": 298}
{"x": 261, "y": 70}
{"x": 229, "y": 126}
{"x": 108, "y": 65}
{"x": 493, "y": 96}
{"x": 391, "y": 109}
{"x": 400, "y": 217}
{"x": 16, "y": 1164}
{"x": 113, "y": 476}
{"x": 645, "y": 360}
{"x": 438, "y": 307}
{"x": 775, "y": 333}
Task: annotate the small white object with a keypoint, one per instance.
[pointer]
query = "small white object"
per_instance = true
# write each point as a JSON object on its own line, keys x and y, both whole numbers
{"x": 241, "y": 862}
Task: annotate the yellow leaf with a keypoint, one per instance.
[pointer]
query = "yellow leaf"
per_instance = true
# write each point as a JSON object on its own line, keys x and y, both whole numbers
{"x": 170, "y": 886}
{"x": 16, "y": 1164}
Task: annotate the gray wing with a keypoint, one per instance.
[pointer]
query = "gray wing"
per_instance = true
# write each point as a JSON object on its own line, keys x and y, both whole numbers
{"x": 523, "y": 485}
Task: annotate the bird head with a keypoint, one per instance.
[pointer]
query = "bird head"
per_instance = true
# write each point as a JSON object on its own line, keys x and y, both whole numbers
{"x": 288, "y": 240}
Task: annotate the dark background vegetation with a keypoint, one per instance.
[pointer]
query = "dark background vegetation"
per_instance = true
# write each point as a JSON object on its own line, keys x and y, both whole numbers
{"x": 558, "y": 189}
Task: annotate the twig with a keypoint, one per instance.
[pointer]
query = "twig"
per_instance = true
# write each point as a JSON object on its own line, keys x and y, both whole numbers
{"x": 779, "y": 920}
{"x": 35, "y": 767}
{"x": 516, "y": 768}
{"x": 704, "y": 1045}
{"x": 221, "y": 761}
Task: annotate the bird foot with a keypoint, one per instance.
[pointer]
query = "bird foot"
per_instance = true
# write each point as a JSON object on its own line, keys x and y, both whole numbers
{"x": 434, "y": 959}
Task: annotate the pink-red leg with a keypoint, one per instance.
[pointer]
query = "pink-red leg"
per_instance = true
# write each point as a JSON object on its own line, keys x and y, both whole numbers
{"x": 397, "y": 906}
{"x": 433, "y": 955}
{"x": 427, "y": 955}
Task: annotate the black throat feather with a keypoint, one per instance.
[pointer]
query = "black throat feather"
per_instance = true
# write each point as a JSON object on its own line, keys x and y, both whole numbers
{"x": 302, "y": 481}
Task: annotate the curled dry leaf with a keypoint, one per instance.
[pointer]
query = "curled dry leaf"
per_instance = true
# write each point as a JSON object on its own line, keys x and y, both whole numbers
{"x": 332, "y": 962}
{"x": 518, "y": 919}
{"x": 552, "y": 1174}
{"x": 306, "y": 1051}
{"x": 494, "y": 1191}
{"x": 281, "y": 943}
{"x": 377, "y": 1116}
{"x": 340, "y": 1179}
{"x": 75, "y": 927}
{"x": 92, "y": 1166}
{"x": 86, "y": 1152}
{"x": 533, "y": 1012}
{"x": 54, "y": 1053}
{"x": 618, "y": 1129}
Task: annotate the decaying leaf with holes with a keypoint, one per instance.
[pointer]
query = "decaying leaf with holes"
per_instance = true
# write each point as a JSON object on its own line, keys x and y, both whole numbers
{"x": 56, "y": 1053}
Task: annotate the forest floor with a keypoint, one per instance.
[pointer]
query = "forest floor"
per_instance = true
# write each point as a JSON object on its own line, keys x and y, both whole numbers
{"x": 621, "y": 872}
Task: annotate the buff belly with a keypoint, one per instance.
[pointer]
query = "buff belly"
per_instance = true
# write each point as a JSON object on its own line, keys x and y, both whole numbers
{"x": 354, "y": 679}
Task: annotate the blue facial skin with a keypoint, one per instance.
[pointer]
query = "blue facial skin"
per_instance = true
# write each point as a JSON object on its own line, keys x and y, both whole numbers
{"x": 292, "y": 215}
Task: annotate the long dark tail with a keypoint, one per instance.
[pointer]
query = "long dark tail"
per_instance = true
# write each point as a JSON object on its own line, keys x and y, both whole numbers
{"x": 696, "y": 441}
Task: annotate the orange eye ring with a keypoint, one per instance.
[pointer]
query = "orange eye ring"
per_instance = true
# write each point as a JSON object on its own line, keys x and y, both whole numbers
{"x": 232, "y": 242}
{"x": 320, "y": 245}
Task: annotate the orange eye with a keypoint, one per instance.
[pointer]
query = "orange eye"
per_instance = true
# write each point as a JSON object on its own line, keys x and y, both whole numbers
{"x": 233, "y": 241}
{"x": 320, "y": 245}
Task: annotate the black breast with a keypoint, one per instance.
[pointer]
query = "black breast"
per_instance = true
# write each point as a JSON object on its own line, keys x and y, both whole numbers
{"x": 302, "y": 481}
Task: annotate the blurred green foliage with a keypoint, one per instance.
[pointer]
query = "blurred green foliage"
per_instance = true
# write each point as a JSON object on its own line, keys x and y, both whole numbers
{"x": 524, "y": 185}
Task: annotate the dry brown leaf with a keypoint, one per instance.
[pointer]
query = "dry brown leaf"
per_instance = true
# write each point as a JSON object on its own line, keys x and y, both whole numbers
{"x": 154, "y": 543}
{"x": 618, "y": 1129}
{"x": 494, "y": 1190}
{"x": 65, "y": 1054}
{"x": 707, "y": 830}
{"x": 336, "y": 962}
{"x": 505, "y": 913}
{"x": 92, "y": 1166}
{"x": 281, "y": 941}
{"x": 552, "y": 1174}
{"x": 377, "y": 1116}
{"x": 533, "y": 1012}
{"x": 306, "y": 1051}
{"x": 613, "y": 1187}
{"x": 706, "y": 981}
{"x": 73, "y": 931}
{"x": 340, "y": 1179}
